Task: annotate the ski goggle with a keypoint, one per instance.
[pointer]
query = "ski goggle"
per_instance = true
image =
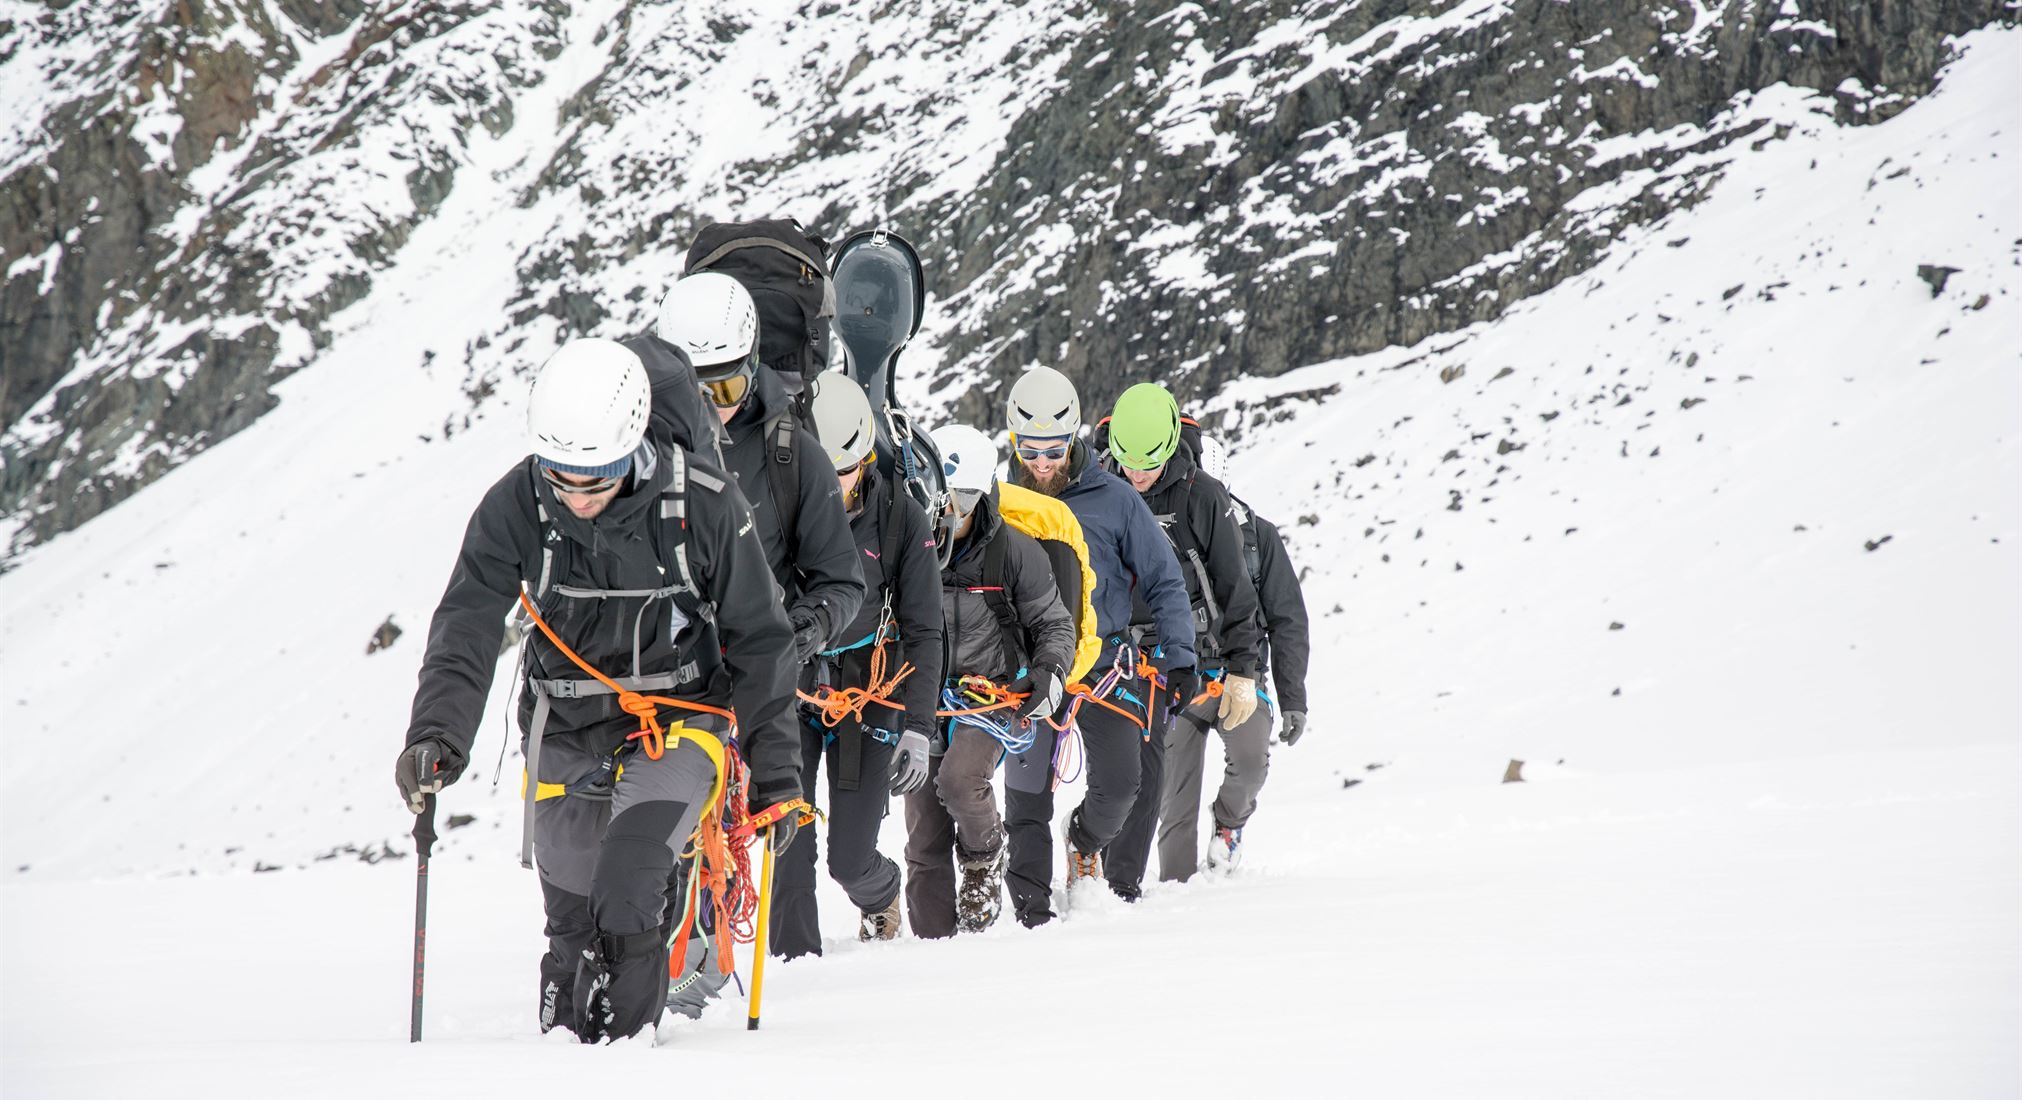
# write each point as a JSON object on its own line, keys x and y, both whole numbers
{"x": 966, "y": 500}
{"x": 1051, "y": 452}
{"x": 581, "y": 489}
{"x": 731, "y": 390}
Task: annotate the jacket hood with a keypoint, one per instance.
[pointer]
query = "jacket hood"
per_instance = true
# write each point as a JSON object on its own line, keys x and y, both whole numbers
{"x": 766, "y": 400}
{"x": 985, "y": 528}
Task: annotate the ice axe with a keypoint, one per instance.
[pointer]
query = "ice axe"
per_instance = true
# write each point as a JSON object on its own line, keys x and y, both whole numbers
{"x": 758, "y": 937}
{"x": 762, "y": 824}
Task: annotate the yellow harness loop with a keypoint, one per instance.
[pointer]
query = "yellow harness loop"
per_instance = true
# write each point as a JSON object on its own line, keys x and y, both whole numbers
{"x": 678, "y": 731}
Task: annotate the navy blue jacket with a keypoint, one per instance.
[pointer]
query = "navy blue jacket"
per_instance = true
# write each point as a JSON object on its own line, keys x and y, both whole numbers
{"x": 1129, "y": 553}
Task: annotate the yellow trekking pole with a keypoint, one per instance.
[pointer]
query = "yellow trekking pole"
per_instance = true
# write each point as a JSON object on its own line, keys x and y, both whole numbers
{"x": 758, "y": 940}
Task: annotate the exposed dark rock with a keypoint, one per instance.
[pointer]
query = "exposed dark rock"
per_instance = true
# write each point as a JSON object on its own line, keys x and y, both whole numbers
{"x": 1935, "y": 276}
{"x": 383, "y": 637}
{"x": 1359, "y": 157}
{"x": 103, "y": 200}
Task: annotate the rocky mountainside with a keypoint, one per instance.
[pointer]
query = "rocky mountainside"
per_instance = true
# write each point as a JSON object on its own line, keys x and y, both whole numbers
{"x": 195, "y": 195}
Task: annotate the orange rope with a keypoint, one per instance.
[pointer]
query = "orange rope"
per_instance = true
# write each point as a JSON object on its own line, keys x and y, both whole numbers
{"x": 996, "y": 696}
{"x": 1085, "y": 694}
{"x": 724, "y": 868}
{"x": 646, "y": 708}
{"x": 840, "y": 703}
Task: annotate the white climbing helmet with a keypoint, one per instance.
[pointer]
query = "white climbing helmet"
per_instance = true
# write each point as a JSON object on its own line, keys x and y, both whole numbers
{"x": 842, "y": 419}
{"x": 588, "y": 409}
{"x": 710, "y": 316}
{"x": 1043, "y": 405}
{"x": 1214, "y": 459}
{"x": 969, "y": 462}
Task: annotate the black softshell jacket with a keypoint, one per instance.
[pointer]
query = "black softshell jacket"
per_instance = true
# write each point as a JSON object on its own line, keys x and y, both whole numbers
{"x": 1199, "y": 515}
{"x": 914, "y": 581}
{"x": 975, "y": 637}
{"x": 815, "y": 563}
{"x": 1284, "y": 609}
{"x": 743, "y": 660}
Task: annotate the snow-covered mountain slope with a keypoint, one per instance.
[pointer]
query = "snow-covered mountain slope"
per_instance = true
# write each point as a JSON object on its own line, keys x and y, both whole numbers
{"x": 194, "y": 195}
{"x": 1769, "y": 839}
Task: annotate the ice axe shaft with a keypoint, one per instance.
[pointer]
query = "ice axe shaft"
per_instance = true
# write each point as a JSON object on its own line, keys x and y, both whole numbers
{"x": 758, "y": 938}
{"x": 424, "y": 842}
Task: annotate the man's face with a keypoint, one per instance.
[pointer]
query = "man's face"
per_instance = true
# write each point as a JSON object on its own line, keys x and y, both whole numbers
{"x": 1046, "y": 459}
{"x": 586, "y": 497}
{"x": 1143, "y": 480}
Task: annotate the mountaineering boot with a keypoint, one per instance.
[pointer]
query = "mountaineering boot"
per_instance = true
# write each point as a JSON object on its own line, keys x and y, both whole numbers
{"x": 1225, "y": 849}
{"x": 1080, "y": 865}
{"x": 881, "y": 925}
{"x": 621, "y": 985}
{"x": 981, "y": 895}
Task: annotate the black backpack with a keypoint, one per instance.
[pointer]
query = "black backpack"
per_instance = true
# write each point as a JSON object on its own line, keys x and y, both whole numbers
{"x": 785, "y": 267}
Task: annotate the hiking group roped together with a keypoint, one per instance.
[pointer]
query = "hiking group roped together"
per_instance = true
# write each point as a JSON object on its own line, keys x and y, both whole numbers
{"x": 742, "y": 574}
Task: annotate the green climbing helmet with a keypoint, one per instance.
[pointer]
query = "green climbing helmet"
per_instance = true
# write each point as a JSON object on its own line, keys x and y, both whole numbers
{"x": 1144, "y": 427}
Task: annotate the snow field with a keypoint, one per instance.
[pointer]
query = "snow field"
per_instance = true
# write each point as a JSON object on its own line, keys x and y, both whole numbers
{"x": 1782, "y": 861}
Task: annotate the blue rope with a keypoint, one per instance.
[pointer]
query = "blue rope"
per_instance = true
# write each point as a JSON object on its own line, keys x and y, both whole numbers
{"x": 1006, "y": 732}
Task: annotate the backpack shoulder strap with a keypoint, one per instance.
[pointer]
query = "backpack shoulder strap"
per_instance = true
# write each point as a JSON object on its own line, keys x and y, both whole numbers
{"x": 550, "y": 539}
{"x": 674, "y": 524}
{"x": 1253, "y": 555}
{"x": 998, "y": 596}
{"x": 895, "y": 522}
{"x": 784, "y": 476}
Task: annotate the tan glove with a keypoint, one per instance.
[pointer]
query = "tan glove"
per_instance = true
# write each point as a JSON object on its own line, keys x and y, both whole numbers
{"x": 1239, "y": 700}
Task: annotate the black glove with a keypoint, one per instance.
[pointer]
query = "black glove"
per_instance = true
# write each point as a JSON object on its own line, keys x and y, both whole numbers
{"x": 782, "y": 830}
{"x": 808, "y": 635}
{"x": 1043, "y": 684}
{"x": 424, "y": 768}
{"x": 1181, "y": 685}
{"x": 1295, "y": 727}
{"x": 781, "y": 834}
